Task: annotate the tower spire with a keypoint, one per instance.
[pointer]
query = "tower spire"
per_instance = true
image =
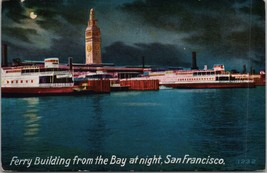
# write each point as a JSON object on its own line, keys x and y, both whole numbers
{"x": 92, "y": 17}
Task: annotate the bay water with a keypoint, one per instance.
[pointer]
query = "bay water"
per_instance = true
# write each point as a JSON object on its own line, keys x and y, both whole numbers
{"x": 227, "y": 124}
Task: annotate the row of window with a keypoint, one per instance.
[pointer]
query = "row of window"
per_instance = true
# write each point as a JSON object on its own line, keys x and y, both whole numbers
{"x": 41, "y": 70}
{"x": 224, "y": 78}
{"x": 54, "y": 79}
{"x": 52, "y": 60}
{"x": 205, "y": 73}
{"x": 13, "y": 71}
{"x": 19, "y": 81}
{"x": 195, "y": 79}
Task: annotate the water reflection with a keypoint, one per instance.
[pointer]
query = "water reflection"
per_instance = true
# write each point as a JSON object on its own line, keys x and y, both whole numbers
{"x": 222, "y": 130}
{"x": 198, "y": 123}
{"x": 126, "y": 94}
{"x": 97, "y": 131}
{"x": 32, "y": 119}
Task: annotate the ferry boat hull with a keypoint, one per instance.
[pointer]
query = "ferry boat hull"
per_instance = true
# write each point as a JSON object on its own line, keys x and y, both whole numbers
{"x": 35, "y": 91}
{"x": 209, "y": 85}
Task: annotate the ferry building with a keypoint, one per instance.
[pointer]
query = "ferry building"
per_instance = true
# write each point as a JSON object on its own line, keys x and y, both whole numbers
{"x": 92, "y": 41}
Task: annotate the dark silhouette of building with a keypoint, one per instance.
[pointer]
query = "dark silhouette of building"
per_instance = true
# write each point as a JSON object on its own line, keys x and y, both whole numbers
{"x": 4, "y": 62}
{"x": 194, "y": 61}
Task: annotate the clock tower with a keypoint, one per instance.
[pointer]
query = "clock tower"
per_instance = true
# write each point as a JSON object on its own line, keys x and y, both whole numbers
{"x": 92, "y": 41}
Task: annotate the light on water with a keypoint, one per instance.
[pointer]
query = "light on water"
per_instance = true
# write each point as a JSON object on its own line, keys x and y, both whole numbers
{"x": 228, "y": 124}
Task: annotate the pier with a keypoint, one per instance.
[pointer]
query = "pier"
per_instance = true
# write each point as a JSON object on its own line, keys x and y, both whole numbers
{"x": 107, "y": 85}
{"x": 140, "y": 85}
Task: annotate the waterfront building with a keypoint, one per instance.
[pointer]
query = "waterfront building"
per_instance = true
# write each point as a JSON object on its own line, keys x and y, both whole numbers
{"x": 92, "y": 41}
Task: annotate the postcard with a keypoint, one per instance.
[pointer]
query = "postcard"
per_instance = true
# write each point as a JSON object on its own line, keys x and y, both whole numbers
{"x": 133, "y": 85}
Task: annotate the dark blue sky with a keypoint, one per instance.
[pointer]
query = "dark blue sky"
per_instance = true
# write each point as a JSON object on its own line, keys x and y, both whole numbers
{"x": 165, "y": 32}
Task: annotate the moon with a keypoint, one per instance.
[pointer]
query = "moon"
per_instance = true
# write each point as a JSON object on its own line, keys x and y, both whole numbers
{"x": 33, "y": 15}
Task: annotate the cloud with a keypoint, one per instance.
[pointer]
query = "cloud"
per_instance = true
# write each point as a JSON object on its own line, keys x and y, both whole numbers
{"x": 155, "y": 54}
{"x": 189, "y": 15}
{"x": 175, "y": 15}
{"x": 13, "y": 10}
{"x": 255, "y": 8}
{"x": 224, "y": 31}
{"x": 21, "y": 34}
{"x": 57, "y": 21}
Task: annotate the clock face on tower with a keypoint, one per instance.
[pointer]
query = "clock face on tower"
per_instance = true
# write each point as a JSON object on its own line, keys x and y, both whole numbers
{"x": 89, "y": 48}
{"x": 97, "y": 47}
{"x": 88, "y": 34}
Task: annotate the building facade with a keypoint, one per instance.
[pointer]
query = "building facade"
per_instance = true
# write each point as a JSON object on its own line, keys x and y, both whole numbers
{"x": 92, "y": 41}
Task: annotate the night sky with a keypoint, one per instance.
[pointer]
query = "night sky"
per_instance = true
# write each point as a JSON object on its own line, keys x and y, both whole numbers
{"x": 165, "y": 32}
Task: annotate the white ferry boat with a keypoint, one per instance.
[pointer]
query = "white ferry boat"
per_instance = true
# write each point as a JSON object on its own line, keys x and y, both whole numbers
{"x": 47, "y": 79}
{"x": 215, "y": 78}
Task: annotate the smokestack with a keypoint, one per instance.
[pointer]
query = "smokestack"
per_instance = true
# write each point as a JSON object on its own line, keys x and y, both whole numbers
{"x": 194, "y": 61}
{"x": 4, "y": 55}
{"x": 252, "y": 70}
{"x": 244, "y": 69}
{"x": 70, "y": 63}
{"x": 143, "y": 61}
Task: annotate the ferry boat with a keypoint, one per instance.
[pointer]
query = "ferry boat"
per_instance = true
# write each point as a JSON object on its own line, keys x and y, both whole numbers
{"x": 36, "y": 80}
{"x": 215, "y": 78}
